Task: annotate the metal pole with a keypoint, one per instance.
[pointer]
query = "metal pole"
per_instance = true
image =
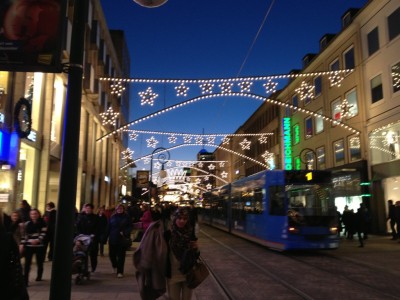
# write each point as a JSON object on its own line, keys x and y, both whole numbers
{"x": 60, "y": 287}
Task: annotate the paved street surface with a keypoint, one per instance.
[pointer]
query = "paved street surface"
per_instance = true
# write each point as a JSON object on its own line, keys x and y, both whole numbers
{"x": 379, "y": 251}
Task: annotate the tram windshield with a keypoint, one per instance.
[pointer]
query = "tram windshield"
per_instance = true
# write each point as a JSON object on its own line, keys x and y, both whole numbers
{"x": 308, "y": 203}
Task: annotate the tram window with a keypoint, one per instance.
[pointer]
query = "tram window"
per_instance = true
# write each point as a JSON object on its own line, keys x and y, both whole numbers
{"x": 277, "y": 200}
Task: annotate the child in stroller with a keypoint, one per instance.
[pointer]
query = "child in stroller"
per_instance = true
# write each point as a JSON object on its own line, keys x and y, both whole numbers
{"x": 80, "y": 257}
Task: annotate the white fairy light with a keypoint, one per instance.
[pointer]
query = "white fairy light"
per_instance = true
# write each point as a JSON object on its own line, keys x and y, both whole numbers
{"x": 211, "y": 167}
{"x": 172, "y": 139}
{"x": 147, "y": 97}
{"x": 270, "y": 86}
{"x": 109, "y": 117}
{"x": 396, "y": 76}
{"x": 146, "y": 160}
{"x": 226, "y": 87}
{"x": 336, "y": 79}
{"x": 263, "y": 139}
{"x": 305, "y": 91}
{"x": 224, "y": 174}
{"x": 245, "y": 144}
{"x": 345, "y": 109}
{"x": 355, "y": 143}
{"x": 181, "y": 90}
{"x": 187, "y": 139}
{"x": 209, "y": 186}
{"x": 133, "y": 136}
{"x": 127, "y": 154}
{"x": 222, "y": 164}
{"x": 206, "y": 178}
{"x": 152, "y": 142}
{"x": 200, "y": 164}
{"x": 198, "y": 140}
{"x": 206, "y": 88}
{"x": 245, "y": 86}
{"x": 211, "y": 139}
{"x": 225, "y": 140}
{"x": 157, "y": 165}
{"x": 198, "y": 181}
{"x": 117, "y": 88}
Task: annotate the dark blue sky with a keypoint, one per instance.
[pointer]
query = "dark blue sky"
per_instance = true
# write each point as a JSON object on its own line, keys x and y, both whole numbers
{"x": 213, "y": 39}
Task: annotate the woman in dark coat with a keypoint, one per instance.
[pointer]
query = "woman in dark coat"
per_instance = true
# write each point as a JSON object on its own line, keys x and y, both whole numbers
{"x": 119, "y": 229}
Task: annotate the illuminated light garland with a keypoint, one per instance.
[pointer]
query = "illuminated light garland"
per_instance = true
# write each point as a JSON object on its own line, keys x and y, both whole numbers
{"x": 252, "y": 96}
{"x": 187, "y": 139}
{"x": 206, "y": 88}
{"x": 270, "y": 86}
{"x": 181, "y": 90}
{"x": 225, "y": 140}
{"x": 194, "y": 135}
{"x": 127, "y": 154}
{"x": 221, "y": 164}
{"x": 147, "y": 97}
{"x": 211, "y": 140}
{"x": 226, "y": 87}
{"x": 345, "y": 109}
{"x": 209, "y": 186}
{"x": 232, "y": 79}
{"x": 263, "y": 139}
{"x": 224, "y": 174}
{"x": 305, "y": 91}
{"x": 385, "y": 126}
{"x": 396, "y": 76}
{"x": 206, "y": 178}
{"x": 394, "y": 154}
{"x": 133, "y": 136}
{"x": 152, "y": 142}
{"x": 211, "y": 167}
{"x": 336, "y": 79}
{"x": 245, "y": 144}
{"x": 117, "y": 88}
{"x": 245, "y": 86}
{"x": 148, "y": 157}
{"x": 172, "y": 139}
{"x": 355, "y": 143}
{"x": 109, "y": 117}
{"x": 268, "y": 158}
{"x": 199, "y": 140}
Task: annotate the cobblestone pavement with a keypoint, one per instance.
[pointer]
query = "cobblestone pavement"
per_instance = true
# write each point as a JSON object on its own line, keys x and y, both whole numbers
{"x": 379, "y": 251}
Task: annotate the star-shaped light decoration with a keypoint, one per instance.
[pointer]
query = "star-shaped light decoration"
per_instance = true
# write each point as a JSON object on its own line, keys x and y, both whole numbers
{"x": 226, "y": 87}
{"x": 263, "y": 139}
{"x": 200, "y": 164}
{"x": 336, "y": 79}
{"x": 305, "y": 91}
{"x": 221, "y": 164}
{"x": 245, "y": 144}
{"x": 345, "y": 109}
{"x": 224, "y": 174}
{"x": 206, "y": 178}
{"x": 197, "y": 181}
{"x": 211, "y": 167}
{"x": 127, "y": 154}
{"x": 396, "y": 76}
{"x": 355, "y": 143}
{"x": 157, "y": 165}
{"x": 187, "y": 139}
{"x": 211, "y": 139}
{"x": 245, "y": 86}
{"x": 133, "y": 136}
{"x": 270, "y": 86}
{"x": 209, "y": 186}
{"x": 109, "y": 117}
{"x": 147, "y": 97}
{"x": 169, "y": 163}
{"x": 117, "y": 88}
{"x": 225, "y": 140}
{"x": 146, "y": 160}
{"x": 172, "y": 139}
{"x": 152, "y": 142}
{"x": 267, "y": 156}
{"x": 198, "y": 140}
{"x": 181, "y": 90}
{"x": 206, "y": 88}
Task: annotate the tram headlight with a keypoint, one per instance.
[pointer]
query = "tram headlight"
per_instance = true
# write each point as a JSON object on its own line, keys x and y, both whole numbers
{"x": 333, "y": 230}
{"x": 293, "y": 230}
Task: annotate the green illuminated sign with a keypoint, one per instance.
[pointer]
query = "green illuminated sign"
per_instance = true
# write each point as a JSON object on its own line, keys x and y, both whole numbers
{"x": 287, "y": 144}
{"x": 296, "y": 134}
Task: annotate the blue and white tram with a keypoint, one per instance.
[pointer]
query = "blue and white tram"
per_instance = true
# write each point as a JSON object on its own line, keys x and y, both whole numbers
{"x": 280, "y": 209}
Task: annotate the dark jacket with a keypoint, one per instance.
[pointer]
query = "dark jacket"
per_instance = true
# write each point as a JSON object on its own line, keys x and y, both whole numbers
{"x": 119, "y": 223}
{"x": 88, "y": 224}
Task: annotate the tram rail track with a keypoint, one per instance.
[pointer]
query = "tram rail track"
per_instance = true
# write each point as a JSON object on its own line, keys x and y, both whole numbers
{"x": 304, "y": 276}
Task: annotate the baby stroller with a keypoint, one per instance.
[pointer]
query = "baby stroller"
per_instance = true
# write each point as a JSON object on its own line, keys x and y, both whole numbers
{"x": 80, "y": 259}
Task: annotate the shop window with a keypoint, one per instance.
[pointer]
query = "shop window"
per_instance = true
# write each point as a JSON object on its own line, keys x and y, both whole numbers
{"x": 308, "y": 127}
{"x": 396, "y": 77}
{"x": 394, "y": 24}
{"x": 320, "y": 157}
{"x": 310, "y": 158}
{"x": 352, "y": 103}
{"x": 384, "y": 144}
{"x": 376, "y": 89}
{"x": 354, "y": 148}
{"x": 3, "y": 89}
{"x": 373, "y": 41}
{"x": 319, "y": 122}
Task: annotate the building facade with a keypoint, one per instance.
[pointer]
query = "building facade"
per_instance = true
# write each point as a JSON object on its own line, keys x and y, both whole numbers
{"x": 32, "y": 168}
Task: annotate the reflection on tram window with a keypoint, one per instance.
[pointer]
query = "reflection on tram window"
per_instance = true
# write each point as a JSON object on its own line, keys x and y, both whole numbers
{"x": 277, "y": 200}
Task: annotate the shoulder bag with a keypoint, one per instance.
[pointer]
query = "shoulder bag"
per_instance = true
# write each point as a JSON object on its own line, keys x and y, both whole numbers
{"x": 197, "y": 274}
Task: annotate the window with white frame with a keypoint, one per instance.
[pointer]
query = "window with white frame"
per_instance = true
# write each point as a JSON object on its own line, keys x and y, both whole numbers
{"x": 336, "y": 109}
{"x": 334, "y": 66}
{"x": 376, "y": 88}
{"x": 320, "y": 157}
{"x": 373, "y": 41}
{"x": 354, "y": 148}
{"x": 348, "y": 59}
{"x": 308, "y": 125}
{"x": 352, "y": 103}
{"x": 338, "y": 150}
{"x": 396, "y": 77}
{"x": 319, "y": 122}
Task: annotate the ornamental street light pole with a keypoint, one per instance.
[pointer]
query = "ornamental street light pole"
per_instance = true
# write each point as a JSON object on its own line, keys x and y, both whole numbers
{"x": 306, "y": 161}
{"x": 162, "y": 157}
{"x": 60, "y": 286}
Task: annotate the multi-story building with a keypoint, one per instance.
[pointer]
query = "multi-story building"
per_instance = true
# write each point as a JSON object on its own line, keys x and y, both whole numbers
{"x": 350, "y": 123}
{"x": 31, "y": 169}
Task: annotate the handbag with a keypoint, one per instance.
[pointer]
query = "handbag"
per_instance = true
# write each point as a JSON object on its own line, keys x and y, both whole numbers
{"x": 197, "y": 275}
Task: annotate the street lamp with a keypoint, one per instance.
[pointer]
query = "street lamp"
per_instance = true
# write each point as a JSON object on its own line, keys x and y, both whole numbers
{"x": 150, "y": 3}
{"x": 306, "y": 161}
{"x": 162, "y": 157}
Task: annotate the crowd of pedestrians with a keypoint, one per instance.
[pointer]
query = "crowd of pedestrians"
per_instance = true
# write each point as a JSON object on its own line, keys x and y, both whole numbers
{"x": 33, "y": 236}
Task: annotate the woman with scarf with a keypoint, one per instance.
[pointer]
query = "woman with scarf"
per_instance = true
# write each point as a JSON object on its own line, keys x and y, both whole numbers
{"x": 182, "y": 254}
